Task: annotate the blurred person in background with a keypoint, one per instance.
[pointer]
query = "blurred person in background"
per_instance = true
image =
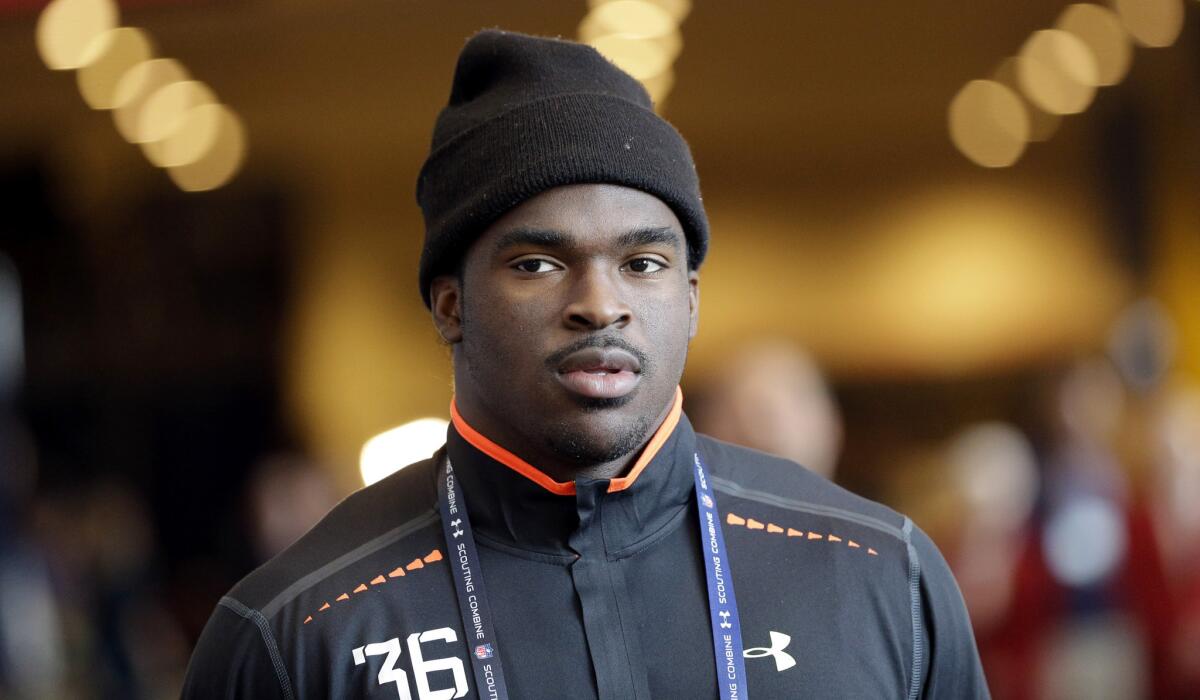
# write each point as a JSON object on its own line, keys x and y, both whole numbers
{"x": 1087, "y": 606}
{"x": 1103, "y": 620}
{"x": 120, "y": 639}
{"x": 288, "y": 494}
{"x": 993, "y": 474}
{"x": 994, "y": 469}
{"x": 81, "y": 611}
{"x": 31, "y": 644}
{"x": 1175, "y": 510}
{"x": 1160, "y": 442}
{"x": 770, "y": 395}
{"x": 564, "y": 233}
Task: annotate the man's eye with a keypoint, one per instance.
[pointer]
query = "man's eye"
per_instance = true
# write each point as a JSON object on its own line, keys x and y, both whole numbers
{"x": 643, "y": 265}
{"x": 534, "y": 266}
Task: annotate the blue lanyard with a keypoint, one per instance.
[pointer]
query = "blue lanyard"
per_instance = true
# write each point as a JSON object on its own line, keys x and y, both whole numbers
{"x": 722, "y": 604}
{"x": 468, "y": 583}
{"x": 477, "y": 615}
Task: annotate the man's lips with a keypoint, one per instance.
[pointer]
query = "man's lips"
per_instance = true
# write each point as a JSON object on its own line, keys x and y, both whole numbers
{"x": 600, "y": 373}
{"x": 600, "y": 360}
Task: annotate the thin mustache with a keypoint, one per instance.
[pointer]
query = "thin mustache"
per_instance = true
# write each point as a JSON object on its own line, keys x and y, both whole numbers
{"x": 597, "y": 341}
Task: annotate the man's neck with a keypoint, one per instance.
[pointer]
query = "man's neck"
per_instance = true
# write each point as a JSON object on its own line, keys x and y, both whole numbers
{"x": 559, "y": 467}
{"x": 605, "y": 470}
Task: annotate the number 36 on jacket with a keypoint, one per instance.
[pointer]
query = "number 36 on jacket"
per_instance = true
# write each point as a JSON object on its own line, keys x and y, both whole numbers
{"x": 421, "y": 667}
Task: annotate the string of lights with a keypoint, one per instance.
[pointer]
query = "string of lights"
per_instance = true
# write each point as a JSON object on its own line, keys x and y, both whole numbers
{"x": 178, "y": 122}
{"x": 641, "y": 36}
{"x": 1056, "y": 73}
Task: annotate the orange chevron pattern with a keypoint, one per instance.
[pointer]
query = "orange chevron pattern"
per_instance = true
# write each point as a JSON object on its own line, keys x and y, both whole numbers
{"x": 418, "y": 563}
{"x": 804, "y": 536}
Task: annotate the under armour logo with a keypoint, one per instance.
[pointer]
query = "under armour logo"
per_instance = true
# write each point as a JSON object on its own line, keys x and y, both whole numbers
{"x": 454, "y": 524}
{"x": 779, "y": 642}
{"x": 725, "y": 624}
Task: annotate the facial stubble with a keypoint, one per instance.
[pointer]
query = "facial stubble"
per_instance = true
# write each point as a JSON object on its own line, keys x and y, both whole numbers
{"x": 561, "y": 437}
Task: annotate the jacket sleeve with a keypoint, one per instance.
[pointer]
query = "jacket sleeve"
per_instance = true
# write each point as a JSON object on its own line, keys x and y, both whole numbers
{"x": 236, "y": 657}
{"x": 951, "y": 666}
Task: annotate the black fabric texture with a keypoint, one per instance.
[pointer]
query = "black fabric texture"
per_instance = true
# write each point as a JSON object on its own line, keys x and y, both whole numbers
{"x": 234, "y": 661}
{"x": 602, "y": 595}
{"x": 527, "y": 114}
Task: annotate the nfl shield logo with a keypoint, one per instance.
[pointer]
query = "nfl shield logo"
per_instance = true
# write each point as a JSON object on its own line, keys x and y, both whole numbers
{"x": 707, "y": 500}
{"x": 484, "y": 651}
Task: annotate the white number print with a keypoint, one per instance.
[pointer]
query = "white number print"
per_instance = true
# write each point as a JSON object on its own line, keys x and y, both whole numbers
{"x": 388, "y": 673}
{"x": 422, "y": 667}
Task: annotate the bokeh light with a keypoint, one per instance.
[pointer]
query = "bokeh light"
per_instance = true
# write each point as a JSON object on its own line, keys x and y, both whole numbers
{"x": 631, "y": 17}
{"x": 65, "y": 28}
{"x": 659, "y": 86}
{"x": 1100, "y": 29}
{"x": 1084, "y": 541}
{"x": 641, "y": 37}
{"x": 177, "y": 121}
{"x": 1151, "y": 23}
{"x": 109, "y": 56}
{"x": 193, "y": 136}
{"x": 170, "y": 132}
{"x": 678, "y": 9}
{"x": 220, "y": 148}
{"x": 638, "y": 57}
{"x": 395, "y": 449}
{"x": 135, "y": 88}
{"x": 1059, "y": 73}
{"x": 670, "y": 43}
{"x": 1042, "y": 124}
{"x": 988, "y": 123}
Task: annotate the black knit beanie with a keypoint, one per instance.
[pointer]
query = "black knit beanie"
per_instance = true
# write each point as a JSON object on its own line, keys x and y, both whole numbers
{"x": 527, "y": 114}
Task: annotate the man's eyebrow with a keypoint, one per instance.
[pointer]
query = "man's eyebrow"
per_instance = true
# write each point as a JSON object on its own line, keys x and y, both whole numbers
{"x": 648, "y": 236}
{"x": 544, "y": 238}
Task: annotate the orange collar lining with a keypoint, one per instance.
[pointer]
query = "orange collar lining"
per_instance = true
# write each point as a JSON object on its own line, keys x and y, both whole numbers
{"x": 567, "y": 488}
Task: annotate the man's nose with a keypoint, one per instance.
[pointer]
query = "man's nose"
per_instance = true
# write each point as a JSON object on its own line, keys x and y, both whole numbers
{"x": 597, "y": 302}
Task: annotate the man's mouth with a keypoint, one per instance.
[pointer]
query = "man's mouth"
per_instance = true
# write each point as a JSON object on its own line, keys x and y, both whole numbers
{"x": 600, "y": 373}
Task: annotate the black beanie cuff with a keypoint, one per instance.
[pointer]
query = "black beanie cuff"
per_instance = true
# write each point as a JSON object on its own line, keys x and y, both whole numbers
{"x": 482, "y": 173}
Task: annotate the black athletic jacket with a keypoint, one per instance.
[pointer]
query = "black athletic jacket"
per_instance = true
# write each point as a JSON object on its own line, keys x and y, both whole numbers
{"x": 598, "y": 589}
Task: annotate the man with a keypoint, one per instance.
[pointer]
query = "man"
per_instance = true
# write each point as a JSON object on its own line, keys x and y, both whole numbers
{"x": 575, "y": 538}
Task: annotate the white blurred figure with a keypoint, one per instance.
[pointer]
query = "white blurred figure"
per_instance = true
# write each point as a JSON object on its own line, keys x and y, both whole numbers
{"x": 994, "y": 469}
{"x": 1099, "y": 650}
{"x": 1175, "y": 485}
{"x": 771, "y": 396}
{"x": 1175, "y": 510}
{"x": 1084, "y": 537}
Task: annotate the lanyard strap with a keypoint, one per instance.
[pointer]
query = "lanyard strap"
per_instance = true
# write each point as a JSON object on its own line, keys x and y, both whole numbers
{"x": 477, "y": 615}
{"x": 722, "y": 604}
{"x": 468, "y": 583}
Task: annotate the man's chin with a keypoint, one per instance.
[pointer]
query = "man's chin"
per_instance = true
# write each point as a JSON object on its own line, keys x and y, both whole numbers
{"x": 595, "y": 405}
{"x": 597, "y": 444}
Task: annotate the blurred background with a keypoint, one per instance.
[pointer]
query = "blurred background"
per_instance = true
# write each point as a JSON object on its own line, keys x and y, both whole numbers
{"x": 955, "y": 267}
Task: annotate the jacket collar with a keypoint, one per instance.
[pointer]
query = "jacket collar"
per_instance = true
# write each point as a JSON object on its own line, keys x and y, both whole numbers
{"x": 513, "y": 503}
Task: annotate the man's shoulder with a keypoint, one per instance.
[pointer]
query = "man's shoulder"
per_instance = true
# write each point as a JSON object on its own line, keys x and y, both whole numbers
{"x": 757, "y": 476}
{"x": 364, "y": 523}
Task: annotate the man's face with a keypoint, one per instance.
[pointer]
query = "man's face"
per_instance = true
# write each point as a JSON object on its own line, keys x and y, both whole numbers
{"x": 571, "y": 321}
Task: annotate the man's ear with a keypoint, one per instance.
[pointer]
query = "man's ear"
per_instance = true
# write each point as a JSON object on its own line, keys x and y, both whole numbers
{"x": 445, "y": 303}
{"x": 694, "y": 302}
